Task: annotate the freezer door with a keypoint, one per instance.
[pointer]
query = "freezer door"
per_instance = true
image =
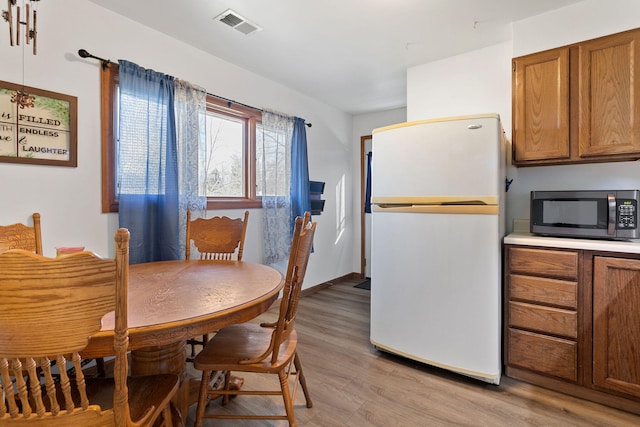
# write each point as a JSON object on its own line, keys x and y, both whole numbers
{"x": 439, "y": 158}
{"x": 436, "y": 290}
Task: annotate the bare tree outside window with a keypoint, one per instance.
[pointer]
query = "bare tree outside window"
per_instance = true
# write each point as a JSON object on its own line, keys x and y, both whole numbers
{"x": 225, "y": 142}
{"x": 271, "y": 160}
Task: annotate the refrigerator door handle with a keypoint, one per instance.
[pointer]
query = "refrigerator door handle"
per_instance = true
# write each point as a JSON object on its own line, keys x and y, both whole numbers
{"x": 439, "y": 209}
{"x": 465, "y": 202}
{"x": 468, "y": 199}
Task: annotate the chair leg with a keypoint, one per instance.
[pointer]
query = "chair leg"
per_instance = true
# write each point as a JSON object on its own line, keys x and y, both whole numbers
{"x": 302, "y": 379}
{"x": 167, "y": 417}
{"x": 227, "y": 386}
{"x": 193, "y": 350}
{"x": 175, "y": 417}
{"x": 193, "y": 342}
{"x": 100, "y": 367}
{"x": 202, "y": 398}
{"x": 286, "y": 396}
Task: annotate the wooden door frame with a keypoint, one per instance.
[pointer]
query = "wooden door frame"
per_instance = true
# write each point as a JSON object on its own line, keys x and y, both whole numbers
{"x": 362, "y": 202}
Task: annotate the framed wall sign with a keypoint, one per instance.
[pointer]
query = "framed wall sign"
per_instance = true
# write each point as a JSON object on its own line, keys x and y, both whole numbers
{"x": 37, "y": 126}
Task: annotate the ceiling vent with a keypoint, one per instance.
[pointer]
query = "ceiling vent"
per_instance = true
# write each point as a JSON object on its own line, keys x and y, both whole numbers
{"x": 236, "y": 21}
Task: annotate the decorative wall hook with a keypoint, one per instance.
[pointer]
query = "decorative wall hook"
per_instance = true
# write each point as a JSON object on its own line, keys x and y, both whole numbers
{"x": 507, "y": 183}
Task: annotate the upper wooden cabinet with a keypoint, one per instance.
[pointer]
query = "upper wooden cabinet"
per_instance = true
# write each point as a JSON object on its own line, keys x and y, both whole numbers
{"x": 609, "y": 96}
{"x": 578, "y": 103}
{"x": 541, "y": 106}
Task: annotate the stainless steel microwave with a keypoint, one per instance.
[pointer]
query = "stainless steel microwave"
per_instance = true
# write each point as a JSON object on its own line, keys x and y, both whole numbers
{"x": 588, "y": 214}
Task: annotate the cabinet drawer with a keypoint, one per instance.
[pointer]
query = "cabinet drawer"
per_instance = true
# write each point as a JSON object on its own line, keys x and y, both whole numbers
{"x": 544, "y": 262}
{"x": 556, "y": 321}
{"x": 544, "y": 354}
{"x": 560, "y": 293}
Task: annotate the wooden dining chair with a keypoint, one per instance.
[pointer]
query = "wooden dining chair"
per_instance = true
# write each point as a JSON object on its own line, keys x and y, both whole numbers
{"x": 49, "y": 309}
{"x": 220, "y": 237}
{"x": 21, "y": 236}
{"x": 217, "y": 238}
{"x": 266, "y": 348}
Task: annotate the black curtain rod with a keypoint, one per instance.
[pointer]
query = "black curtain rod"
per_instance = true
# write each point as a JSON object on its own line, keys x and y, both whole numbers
{"x": 105, "y": 62}
{"x": 231, "y": 101}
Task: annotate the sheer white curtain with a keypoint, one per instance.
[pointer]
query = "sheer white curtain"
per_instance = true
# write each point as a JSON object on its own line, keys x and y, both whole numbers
{"x": 273, "y": 149}
{"x": 190, "y": 109}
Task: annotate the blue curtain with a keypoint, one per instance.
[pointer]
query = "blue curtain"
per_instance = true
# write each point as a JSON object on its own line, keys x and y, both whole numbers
{"x": 367, "y": 192}
{"x": 147, "y": 169}
{"x": 300, "y": 194}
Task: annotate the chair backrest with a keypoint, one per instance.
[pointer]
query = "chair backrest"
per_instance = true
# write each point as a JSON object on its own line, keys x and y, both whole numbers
{"x": 301, "y": 245}
{"x": 21, "y": 236}
{"x": 49, "y": 308}
{"x": 217, "y": 237}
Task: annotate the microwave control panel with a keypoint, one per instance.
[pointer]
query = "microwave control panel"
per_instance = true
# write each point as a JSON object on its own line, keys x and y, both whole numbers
{"x": 627, "y": 214}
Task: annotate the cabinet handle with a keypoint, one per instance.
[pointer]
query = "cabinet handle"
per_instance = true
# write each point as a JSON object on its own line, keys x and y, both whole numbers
{"x": 611, "y": 223}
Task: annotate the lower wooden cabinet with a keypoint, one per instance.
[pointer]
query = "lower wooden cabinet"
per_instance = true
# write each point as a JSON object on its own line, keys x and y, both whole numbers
{"x": 541, "y": 311}
{"x": 572, "y": 322}
{"x": 616, "y": 324}
{"x": 545, "y": 354}
{"x": 545, "y": 320}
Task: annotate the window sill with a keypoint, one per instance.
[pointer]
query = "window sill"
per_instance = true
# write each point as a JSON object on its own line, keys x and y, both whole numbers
{"x": 234, "y": 204}
{"x": 211, "y": 205}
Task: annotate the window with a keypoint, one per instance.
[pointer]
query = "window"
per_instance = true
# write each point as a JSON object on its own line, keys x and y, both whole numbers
{"x": 236, "y": 171}
{"x": 231, "y": 154}
{"x": 225, "y": 145}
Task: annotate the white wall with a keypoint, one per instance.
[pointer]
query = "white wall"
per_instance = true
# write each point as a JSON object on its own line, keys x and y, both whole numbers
{"x": 480, "y": 81}
{"x": 472, "y": 83}
{"x": 69, "y": 199}
{"x": 582, "y": 21}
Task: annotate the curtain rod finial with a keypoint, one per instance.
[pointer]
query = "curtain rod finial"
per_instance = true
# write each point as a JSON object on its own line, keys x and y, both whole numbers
{"x": 84, "y": 54}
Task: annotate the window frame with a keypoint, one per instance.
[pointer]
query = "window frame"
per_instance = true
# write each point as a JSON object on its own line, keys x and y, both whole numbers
{"x": 251, "y": 117}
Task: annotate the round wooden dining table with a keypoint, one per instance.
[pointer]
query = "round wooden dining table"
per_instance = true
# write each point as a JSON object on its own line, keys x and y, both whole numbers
{"x": 172, "y": 301}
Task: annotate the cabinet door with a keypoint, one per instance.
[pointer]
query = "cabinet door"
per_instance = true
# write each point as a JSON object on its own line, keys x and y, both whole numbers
{"x": 616, "y": 324}
{"x": 609, "y": 100}
{"x": 541, "y": 106}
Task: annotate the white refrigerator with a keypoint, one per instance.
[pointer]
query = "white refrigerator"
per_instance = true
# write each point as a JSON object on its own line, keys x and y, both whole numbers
{"x": 438, "y": 190}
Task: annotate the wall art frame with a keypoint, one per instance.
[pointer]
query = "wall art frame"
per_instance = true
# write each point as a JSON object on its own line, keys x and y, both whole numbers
{"x": 37, "y": 126}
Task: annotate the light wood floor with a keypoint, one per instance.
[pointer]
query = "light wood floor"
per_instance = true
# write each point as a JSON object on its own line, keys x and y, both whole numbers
{"x": 353, "y": 384}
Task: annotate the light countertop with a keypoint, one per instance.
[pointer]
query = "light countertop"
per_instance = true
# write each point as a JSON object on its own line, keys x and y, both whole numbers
{"x": 528, "y": 239}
